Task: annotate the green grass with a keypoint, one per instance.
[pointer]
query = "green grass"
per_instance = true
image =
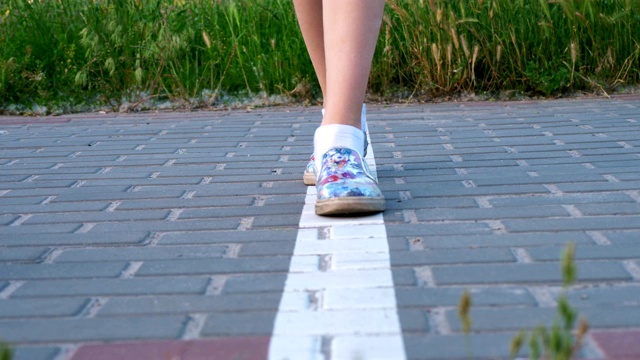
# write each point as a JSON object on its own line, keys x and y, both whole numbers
{"x": 66, "y": 54}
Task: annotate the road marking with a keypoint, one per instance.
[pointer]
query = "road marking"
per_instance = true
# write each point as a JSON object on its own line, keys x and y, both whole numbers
{"x": 349, "y": 311}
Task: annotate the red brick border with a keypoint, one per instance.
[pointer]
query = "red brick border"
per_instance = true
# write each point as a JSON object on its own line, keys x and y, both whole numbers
{"x": 618, "y": 344}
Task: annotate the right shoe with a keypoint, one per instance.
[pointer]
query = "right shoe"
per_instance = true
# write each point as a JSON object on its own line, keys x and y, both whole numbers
{"x": 345, "y": 186}
{"x": 310, "y": 173}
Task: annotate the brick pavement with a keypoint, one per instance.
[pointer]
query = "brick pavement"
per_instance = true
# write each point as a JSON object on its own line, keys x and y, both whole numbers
{"x": 181, "y": 226}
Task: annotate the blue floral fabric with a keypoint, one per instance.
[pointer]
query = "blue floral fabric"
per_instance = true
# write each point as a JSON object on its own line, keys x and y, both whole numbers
{"x": 344, "y": 174}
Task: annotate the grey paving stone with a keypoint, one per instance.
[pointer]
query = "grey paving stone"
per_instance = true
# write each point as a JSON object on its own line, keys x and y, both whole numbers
{"x": 623, "y": 237}
{"x": 53, "y": 208}
{"x": 11, "y": 233}
{"x": 35, "y": 353}
{"x": 437, "y": 229}
{"x": 7, "y": 219}
{"x": 609, "y": 209}
{"x": 429, "y": 203}
{"x": 605, "y": 296}
{"x": 546, "y": 273}
{"x": 450, "y": 296}
{"x": 475, "y": 346}
{"x": 39, "y": 308}
{"x": 220, "y": 266}
{"x": 293, "y": 210}
{"x": 162, "y": 226}
{"x": 564, "y": 199}
{"x": 254, "y": 283}
{"x": 587, "y": 252}
{"x": 479, "y": 191}
{"x": 491, "y": 213}
{"x": 181, "y": 304}
{"x": 451, "y": 256}
{"x": 239, "y": 324}
{"x": 22, "y": 254}
{"x": 119, "y": 193}
{"x": 112, "y": 287}
{"x": 23, "y": 238}
{"x": 60, "y": 271}
{"x": 94, "y": 329}
{"x": 267, "y": 248}
{"x": 504, "y": 319}
{"x": 102, "y": 216}
{"x": 8, "y": 200}
{"x": 141, "y": 253}
{"x": 232, "y": 236}
{"x": 499, "y": 240}
{"x": 574, "y": 224}
{"x": 600, "y": 186}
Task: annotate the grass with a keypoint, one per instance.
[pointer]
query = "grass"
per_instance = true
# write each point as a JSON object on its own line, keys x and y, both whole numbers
{"x": 69, "y": 55}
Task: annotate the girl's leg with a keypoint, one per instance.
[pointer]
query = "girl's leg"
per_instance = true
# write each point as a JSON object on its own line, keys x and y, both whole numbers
{"x": 351, "y": 30}
{"x": 309, "y": 14}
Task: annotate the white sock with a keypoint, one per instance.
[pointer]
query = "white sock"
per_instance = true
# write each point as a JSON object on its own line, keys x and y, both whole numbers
{"x": 334, "y": 136}
{"x": 363, "y": 118}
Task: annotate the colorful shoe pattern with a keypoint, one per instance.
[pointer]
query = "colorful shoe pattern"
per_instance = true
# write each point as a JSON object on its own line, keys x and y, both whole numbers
{"x": 344, "y": 185}
{"x": 310, "y": 172}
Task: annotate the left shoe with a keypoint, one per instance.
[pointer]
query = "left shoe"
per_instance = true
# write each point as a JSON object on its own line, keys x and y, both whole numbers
{"x": 345, "y": 186}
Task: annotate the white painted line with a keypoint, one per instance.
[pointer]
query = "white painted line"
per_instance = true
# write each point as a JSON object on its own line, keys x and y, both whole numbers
{"x": 339, "y": 300}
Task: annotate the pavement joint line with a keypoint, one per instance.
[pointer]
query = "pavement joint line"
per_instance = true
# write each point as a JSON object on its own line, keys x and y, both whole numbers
{"x": 319, "y": 273}
{"x": 416, "y": 244}
{"x": 174, "y": 214}
{"x": 533, "y": 174}
{"x": 625, "y": 145}
{"x": 152, "y": 239}
{"x": 4, "y": 192}
{"x": 424, "y": 276}
{"x": 220, "y": 166}
{"x": 245, "y": 223}
{"x": 598, "y": 237}
{"x": 468, "y": 183}
{"x": 104, "y": 170}
{"x": 438, "y": 321}
{"x": 48, "y": 200}
{"x": 542, "y": 296}
{"x": 205, "y": 180}
{"x": 497, "y": 227}
{"x": 84, "y": 228}
{"x": 553, "y": 189}
{"x": 112, "y": 206}
{"x": 456, "y": 158}
{"x": 573, "y": 211}
{"x": 410, "y": 216}
{"x": 49, "y": 256}
{"x": 216, "y": 285}
{"x": 259, "y": 200}
{"x": 611, "y": 178}
{"x": 93, "y": 306}
{"x": 590, "y": 348}
{"x": 400, "y": 180}
{"x": 193, "y": 327}
{"x": 14, "y": 285}
{"x": 66, "y": 351}
{"x": 30, "y": 178}
{"x": 461, "y": 171}
{"x": 632, "y": 268}
{"x": 154, "y": 175}
{"x": 634, "y": 194}
{"x": 522, "y": 163}
{"x": 232, "y": 251}
{"x": 588, "y": 165}
{"x": 326, "y": 343}
{"x": 131, "y": 269}
{"x": 188, "y": 195}
{"x": 521, "y": 255}
{"x": 405, "y": 195}
{"x": 21, "y": 219}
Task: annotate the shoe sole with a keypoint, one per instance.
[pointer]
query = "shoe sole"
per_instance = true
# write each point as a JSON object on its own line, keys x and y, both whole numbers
{"x": 350, "y": 205}
{"x": 309, "y": 178}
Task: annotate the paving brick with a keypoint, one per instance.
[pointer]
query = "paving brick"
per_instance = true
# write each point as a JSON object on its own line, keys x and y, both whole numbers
{"x": 574, "y": 224}
{"x": 525, "y": 273}
{"x": 217, "y": 237}
{"x": 437, "y": 229}
{"x": 195, "y": 202}
{"x": 7, "y": 219}
{"x": 587, "y": 252}
{"x": 491, "y": 213}
{"x": 181, "y": 304}
{"x": 483, "y": 191}
{"x": 162, "y": 226}
{"x": 564, "y": 199}
{"x": 623, "y": 238}
{"x": 38, "y": 308}
{"x": 112, "y": 287}
{"x": 59, "y": 271}
{"x": 141, "y": 253}
{"x": 495, "y": 240}
{"x": 220, "y": 266}
{"x": 255, "y": 283}
{"x": 452, "y": 256}
{"x": 119, "y": 193}
{"x": 24, "y": 238}
{"x": 609, "y": 209}
{"x": 599, "y": 186}
{"x": 21, "y": 254}
{"x": 23, "y": 232}
{"x": 239, "y": 324}
{"x": 475, "y": 346}
{"x": 102, "y": 216}
{"x": 54, "y": 208}
{"x": 293, "y": 210}
{"x": 35, "y": 353}
{"x": 439, "y": 297}
{"x": 95, "y": 329}
{"x": 605, "y": 296}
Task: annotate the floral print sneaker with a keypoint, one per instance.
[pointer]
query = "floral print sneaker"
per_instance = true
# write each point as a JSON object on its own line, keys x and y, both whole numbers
{"x": 310, "y": 172}
{"x": 344, "y": 185}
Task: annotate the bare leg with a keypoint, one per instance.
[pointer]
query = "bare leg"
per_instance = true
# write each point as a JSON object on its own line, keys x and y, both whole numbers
{"x": 351, "y": 29}
{"x": 309, "y": 14}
